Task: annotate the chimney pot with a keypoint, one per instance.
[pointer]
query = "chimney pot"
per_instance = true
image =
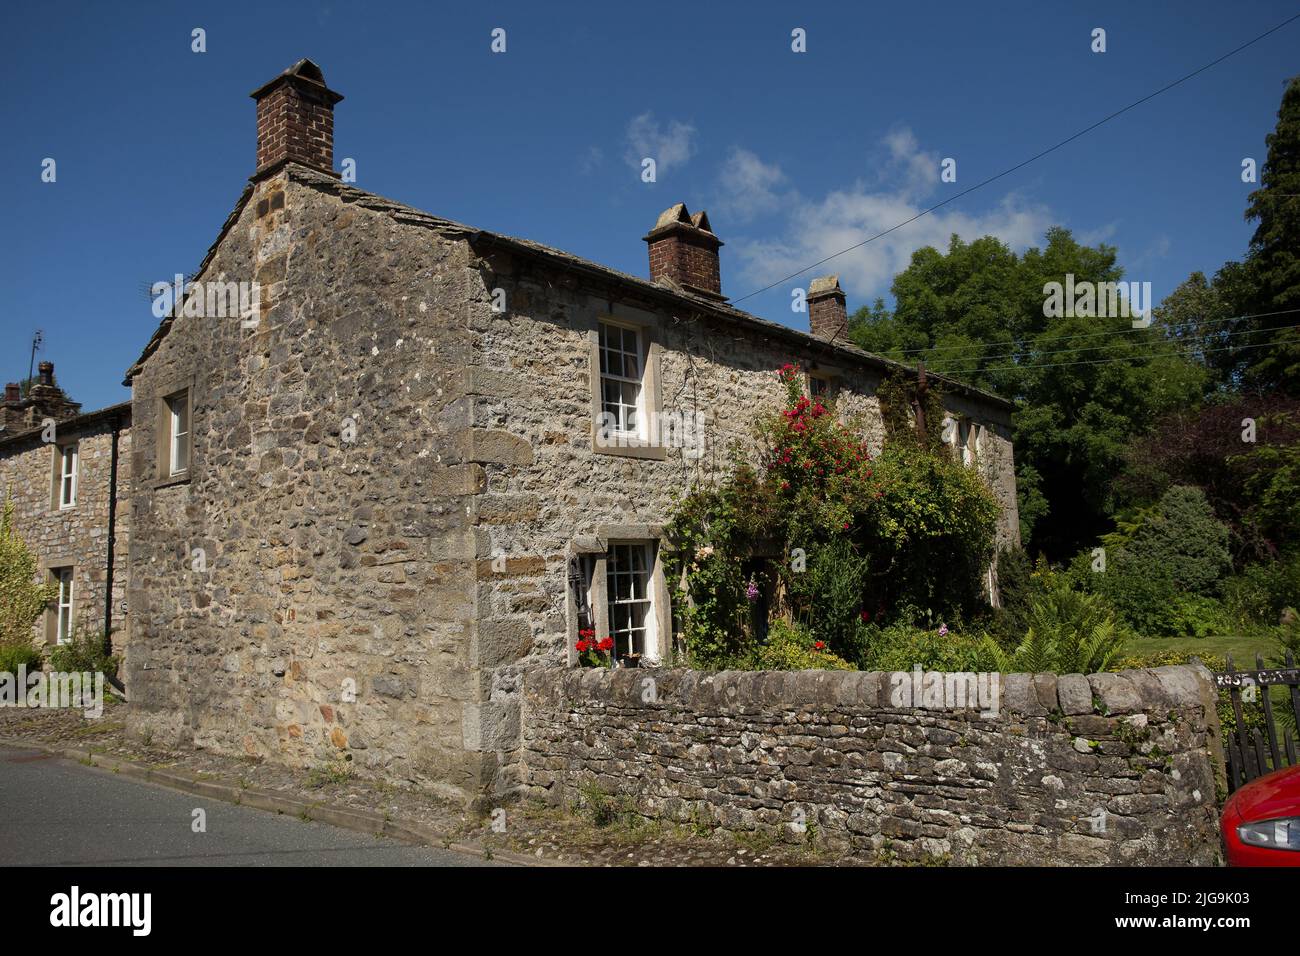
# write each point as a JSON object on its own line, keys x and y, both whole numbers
{"x": 295, "y": 120}
{"x": 12, "y": 392}
{"x": 45, "y": 373}
{"x": 828, "y": 316}
{"x": 684, "y": 249}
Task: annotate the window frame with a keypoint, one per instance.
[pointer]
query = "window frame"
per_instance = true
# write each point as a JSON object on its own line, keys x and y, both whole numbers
{"x": 178, "y": 408}
{"x": 593, "y": 553}
{"x": 827, "y": 386}
{"x": 60, "y": 612}
{"x": 829, "y": 376}
{"x": 648, "y": 624}
{"x": 60, "y": 475}
{"x": 645, "y": 442}
{"x": 641, "y": 432}
{"x": 165, "y": 438}
{"x": 966, "y": 438}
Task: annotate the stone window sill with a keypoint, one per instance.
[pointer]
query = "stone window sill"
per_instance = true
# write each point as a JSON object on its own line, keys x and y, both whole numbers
{"x": 182, "y": 479}
{"x": 632, "y": 450}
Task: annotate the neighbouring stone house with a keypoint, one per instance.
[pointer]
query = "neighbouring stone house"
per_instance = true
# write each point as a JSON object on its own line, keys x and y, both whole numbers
{"x": 67, "y": 474}
{"x": 362, "y": 511}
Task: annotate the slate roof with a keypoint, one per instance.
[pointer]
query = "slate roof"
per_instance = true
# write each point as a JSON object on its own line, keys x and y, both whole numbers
{"x": 121, "y": 411}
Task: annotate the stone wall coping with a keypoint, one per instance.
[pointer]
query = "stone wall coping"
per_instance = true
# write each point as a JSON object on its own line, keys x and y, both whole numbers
{"x": 1155, "y": 689}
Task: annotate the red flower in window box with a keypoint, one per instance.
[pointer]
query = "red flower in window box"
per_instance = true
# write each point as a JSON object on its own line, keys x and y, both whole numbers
{"x": 606, "y": 644}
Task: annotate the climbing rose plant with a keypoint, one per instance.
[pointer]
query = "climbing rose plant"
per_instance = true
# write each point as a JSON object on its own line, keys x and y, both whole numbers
{"x": 834, "y": 538}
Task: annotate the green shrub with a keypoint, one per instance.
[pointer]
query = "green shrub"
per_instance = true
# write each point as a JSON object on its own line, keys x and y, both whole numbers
{"x": 1070, "y": 632}
{"x": 83, "y": 652}
{"x": 791, "y": 648}
{"x": 1260, "y": 591}
{"x": 13, "y": 656}
{"x": 900, "y": 647}
{"x": 1182, "y": 537}
{"x": 823, "y": 534}
{"x": 22, "y": 599}
{"x": 829, "y": 596}
{"x": 1020, "y": 582}
{"x": 1162, "y": 564}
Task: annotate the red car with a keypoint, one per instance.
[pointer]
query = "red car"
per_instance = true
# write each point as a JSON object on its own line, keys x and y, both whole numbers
{"x": 1261, "y": 821}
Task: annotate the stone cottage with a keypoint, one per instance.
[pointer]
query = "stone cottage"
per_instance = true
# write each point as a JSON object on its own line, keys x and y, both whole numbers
{"x": 67, "y": 474}
{"x": 360, "y": 512}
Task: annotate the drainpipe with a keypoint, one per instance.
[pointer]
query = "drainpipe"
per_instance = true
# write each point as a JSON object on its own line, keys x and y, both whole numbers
{"x": 921, "y": 387}
{"x": 108, "y": 571}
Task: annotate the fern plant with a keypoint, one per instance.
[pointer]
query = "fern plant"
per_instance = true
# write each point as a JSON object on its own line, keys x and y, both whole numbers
{"x": 1069, "y": 632}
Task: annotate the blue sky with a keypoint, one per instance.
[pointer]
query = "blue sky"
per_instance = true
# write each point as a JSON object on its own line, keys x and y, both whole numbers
{"x": 794, "y": 155}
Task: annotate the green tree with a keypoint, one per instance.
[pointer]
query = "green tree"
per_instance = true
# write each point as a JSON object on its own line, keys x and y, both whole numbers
{"x": 22, "y": 598}
{"x": 1273, "y": 260}
{"x": 1085, "y": 387}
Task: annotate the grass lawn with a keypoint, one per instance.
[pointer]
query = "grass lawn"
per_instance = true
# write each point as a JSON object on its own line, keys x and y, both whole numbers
{"x": 1242, "y": 647}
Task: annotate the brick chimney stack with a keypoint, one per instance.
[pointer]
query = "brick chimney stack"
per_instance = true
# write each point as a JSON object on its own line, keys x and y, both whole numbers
{"x": 295, "y": 120}
{"x": 44, "y": 400}
{"x": 684, "y": 250}
{"x": 828, "y": 316}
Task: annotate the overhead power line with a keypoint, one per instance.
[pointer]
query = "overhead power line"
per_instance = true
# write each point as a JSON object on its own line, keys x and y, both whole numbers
{"x": 1205, "y": 337}
{"x": 1024, "y": 163}
{"x": 1194, "y": 324}
{"x": 1178, "y": 353}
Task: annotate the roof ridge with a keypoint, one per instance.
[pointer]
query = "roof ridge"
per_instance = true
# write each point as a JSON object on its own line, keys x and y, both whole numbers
{"x": 354, "y": 194}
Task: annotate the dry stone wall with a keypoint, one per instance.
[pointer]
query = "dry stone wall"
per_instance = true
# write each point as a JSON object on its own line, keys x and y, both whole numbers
{"x": 1116, "y": 769}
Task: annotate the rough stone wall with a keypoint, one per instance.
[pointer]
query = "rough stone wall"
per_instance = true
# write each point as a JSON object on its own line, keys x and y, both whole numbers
{"x": 534, "y": 385}
{"x": 755, "y": 751}
{"x": 335, "y": 617}
{"x": 368, "y": 564}
{"x": 77, "y": 535}
{"x": 995, "y": 461}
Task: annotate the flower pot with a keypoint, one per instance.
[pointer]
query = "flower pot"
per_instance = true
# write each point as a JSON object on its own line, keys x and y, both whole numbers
{"x": 631, "y": 660}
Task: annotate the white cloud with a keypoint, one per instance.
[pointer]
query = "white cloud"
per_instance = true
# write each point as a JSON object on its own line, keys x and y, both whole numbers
{"x": 748, "y": 186}
{"x": 907, "y": 183}
{"x": 591, "y": 160}
{"x": 668, "y": 145}
{"x": 1157, "y": 248}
